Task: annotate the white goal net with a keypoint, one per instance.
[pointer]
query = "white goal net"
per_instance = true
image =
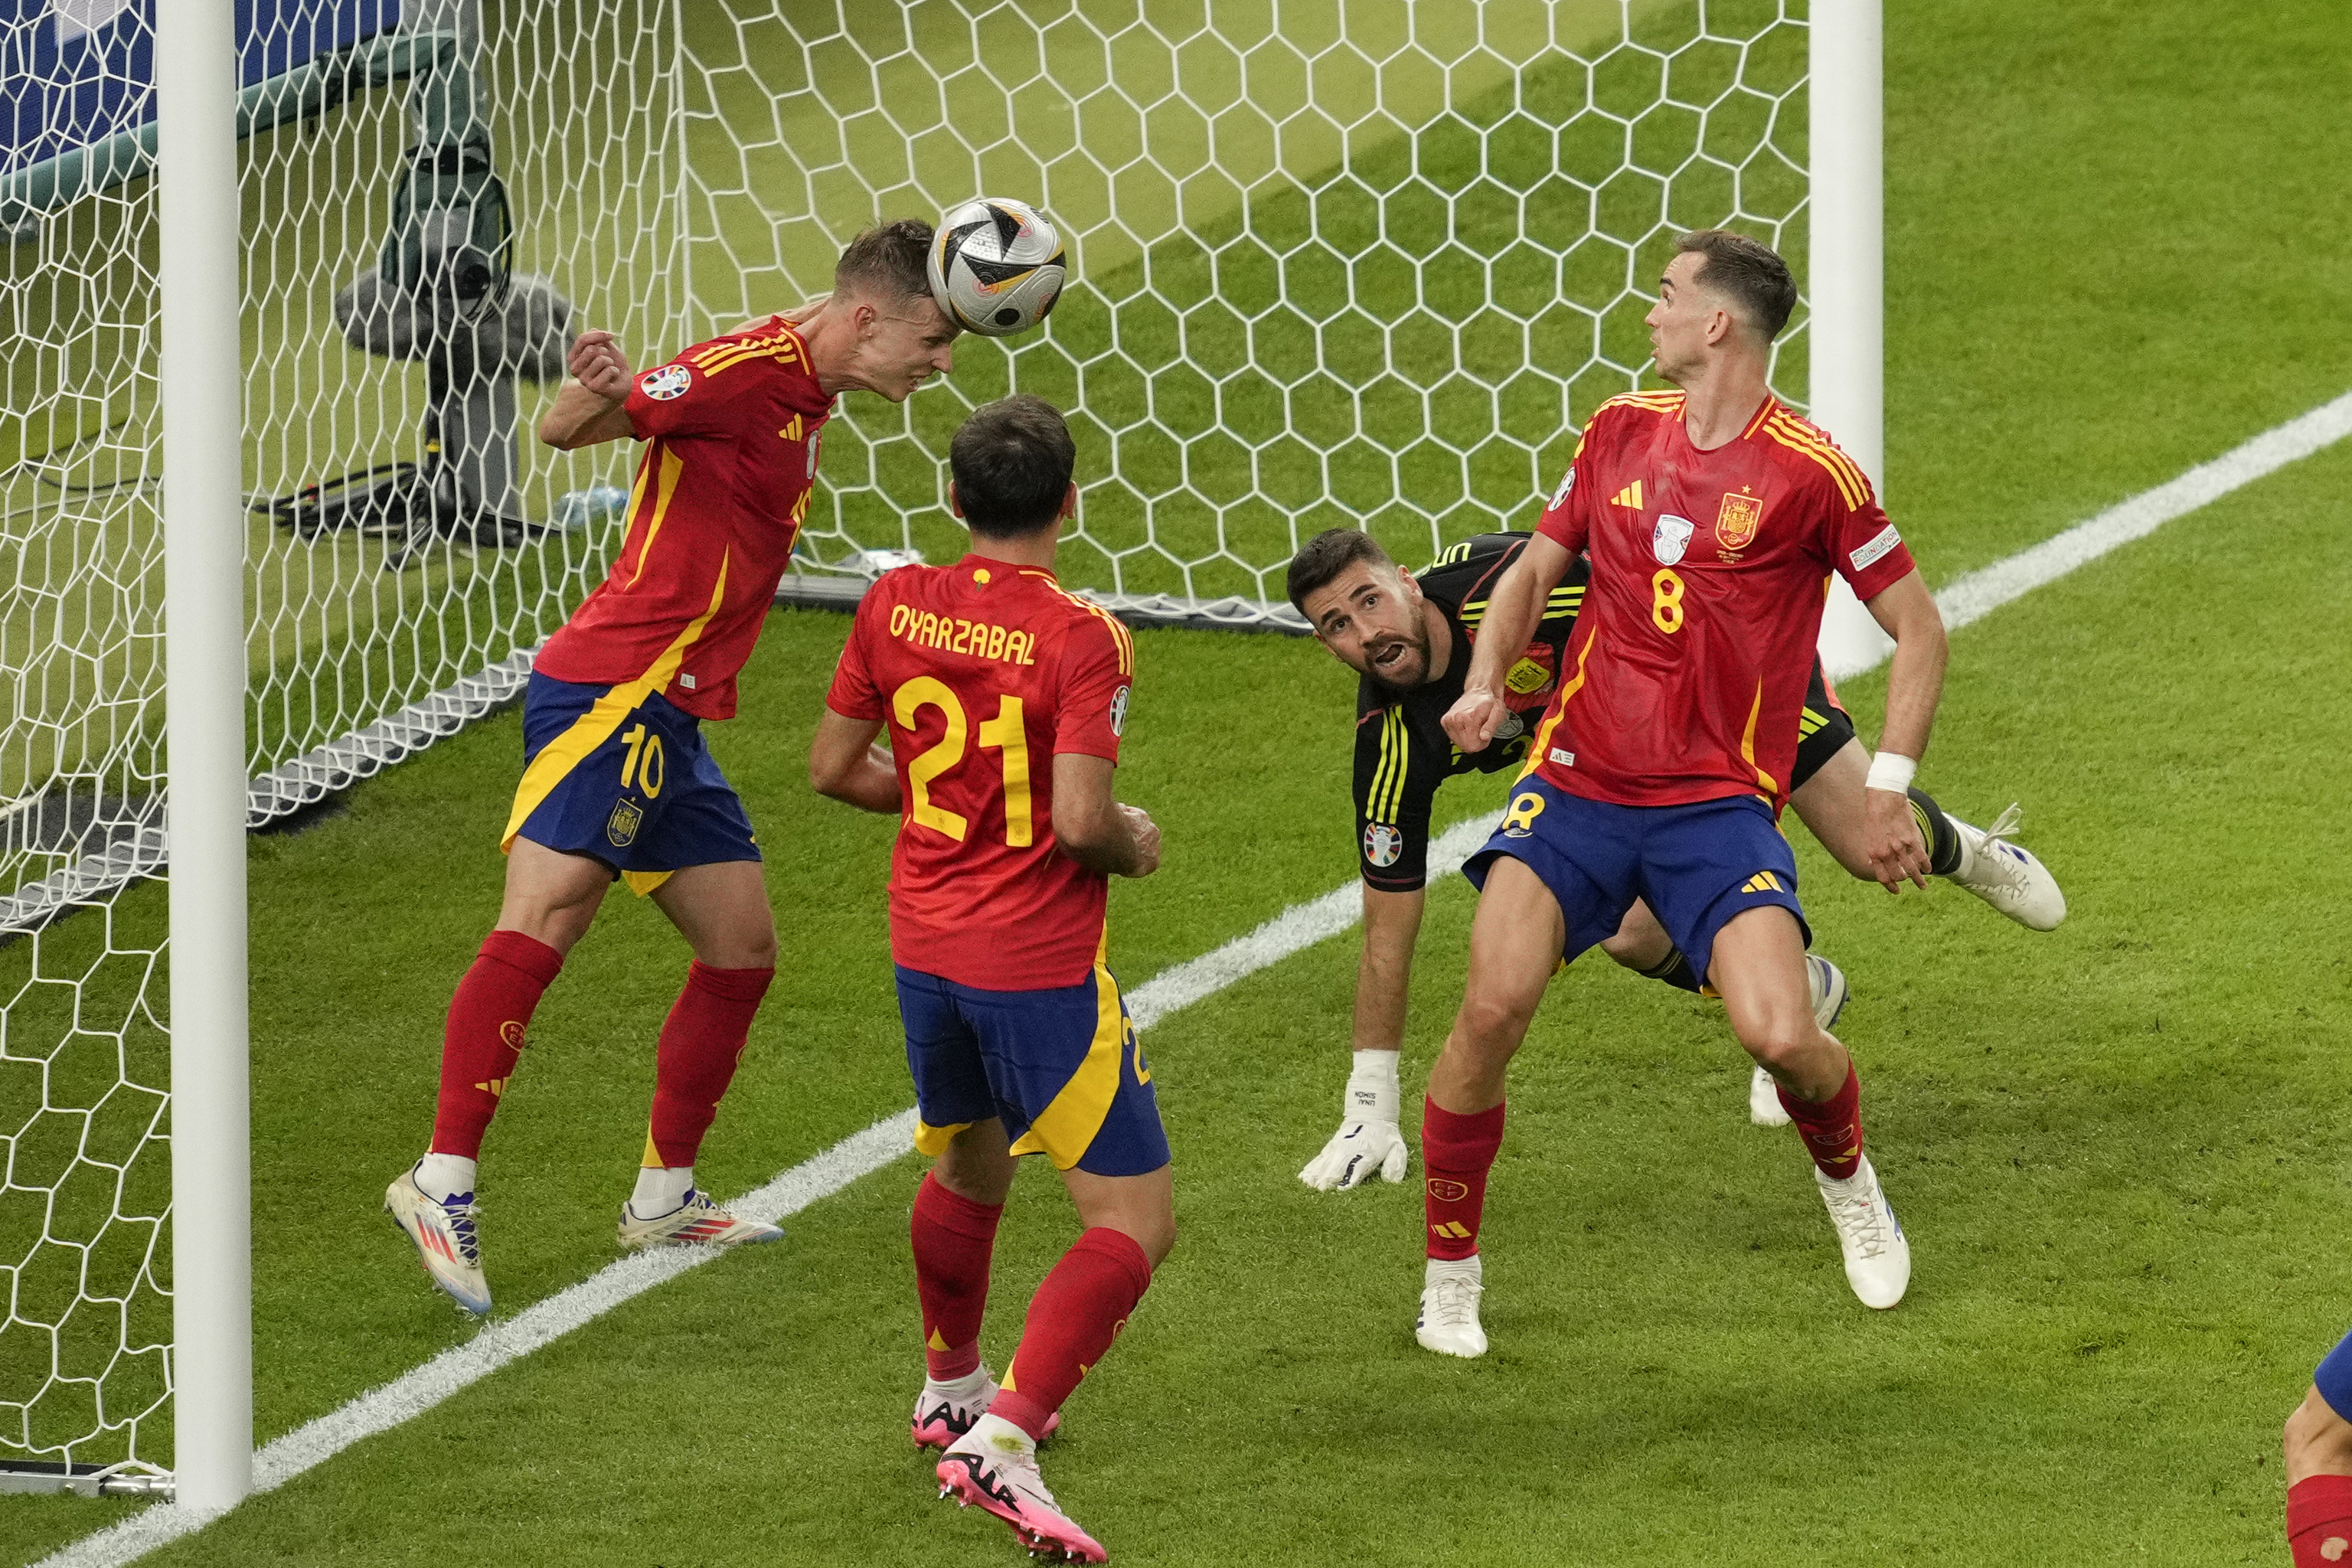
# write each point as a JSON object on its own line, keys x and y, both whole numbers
{"x": 1347, "y": 262}
{"x": 421, "y": 208}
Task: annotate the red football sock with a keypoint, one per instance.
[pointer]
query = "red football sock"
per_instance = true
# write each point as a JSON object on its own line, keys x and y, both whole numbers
{"x": 1831, "y": 1130}
{"x": 485, "y": 1034}
{"x": 1456, "y": 1152}
{"x": 1073, "y": 1319}
{"x": 954, "y": 1238}
{"x": 700, "y": 1044}
{"x": 2318, "y": 1517}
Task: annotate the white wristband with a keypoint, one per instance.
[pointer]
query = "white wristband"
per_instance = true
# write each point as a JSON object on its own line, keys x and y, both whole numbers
{"x": 1891, "y": 772}
{"x": 1373, "y": 1087}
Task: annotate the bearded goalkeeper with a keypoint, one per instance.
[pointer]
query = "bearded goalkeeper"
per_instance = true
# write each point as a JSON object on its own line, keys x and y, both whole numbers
{"x": 1409, "y": 637}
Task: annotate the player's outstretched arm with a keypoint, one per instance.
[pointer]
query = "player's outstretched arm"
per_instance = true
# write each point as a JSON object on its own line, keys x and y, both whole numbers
{"x": 590, "y": 407}
{"x": 1092, "y": 827}
{"x": 1370, "y": 1142}
{"x": 1512, "y": 612}
{"x": 1914, "y": 684}
{"x": 845, "y": 764}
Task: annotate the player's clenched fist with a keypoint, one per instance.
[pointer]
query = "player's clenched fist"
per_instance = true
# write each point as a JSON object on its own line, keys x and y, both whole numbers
{"x": 1890, "y": 838}
{"x": 1147, "y": 839}
{"x": 597, "y": 363}
{"x": 1473, "y": 719}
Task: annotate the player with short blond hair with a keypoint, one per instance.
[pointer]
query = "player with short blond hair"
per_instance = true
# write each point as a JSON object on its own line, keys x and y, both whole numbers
{"x": 617, "y": 783}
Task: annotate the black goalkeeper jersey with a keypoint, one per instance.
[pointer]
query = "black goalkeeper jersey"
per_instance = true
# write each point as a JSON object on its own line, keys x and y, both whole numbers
{"x": 1402, "y": 753}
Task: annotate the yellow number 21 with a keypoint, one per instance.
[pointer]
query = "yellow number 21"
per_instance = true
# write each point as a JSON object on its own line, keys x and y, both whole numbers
{"x": 1004, "y": 733}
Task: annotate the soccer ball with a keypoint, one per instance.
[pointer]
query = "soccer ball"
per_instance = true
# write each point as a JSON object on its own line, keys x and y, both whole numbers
{"x": 996, "y": 266}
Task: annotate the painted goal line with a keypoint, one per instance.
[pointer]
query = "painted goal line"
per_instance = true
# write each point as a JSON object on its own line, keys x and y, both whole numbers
{"x": 1301, "y": 926}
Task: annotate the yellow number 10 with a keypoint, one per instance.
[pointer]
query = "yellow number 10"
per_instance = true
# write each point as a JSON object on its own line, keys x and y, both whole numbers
{"x": 1004, "y": 733}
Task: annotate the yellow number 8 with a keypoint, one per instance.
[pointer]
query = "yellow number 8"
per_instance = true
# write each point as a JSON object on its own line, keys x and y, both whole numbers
{"x": 1666, "y": 605}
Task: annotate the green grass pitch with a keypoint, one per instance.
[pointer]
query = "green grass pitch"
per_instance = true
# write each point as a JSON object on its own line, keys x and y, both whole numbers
{"x": 2115, "y": 1147}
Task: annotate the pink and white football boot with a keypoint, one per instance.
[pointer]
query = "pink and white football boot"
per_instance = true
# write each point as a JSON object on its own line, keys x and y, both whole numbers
{"x": 945, "y": 1411}
{"x": 995, "y": 1465}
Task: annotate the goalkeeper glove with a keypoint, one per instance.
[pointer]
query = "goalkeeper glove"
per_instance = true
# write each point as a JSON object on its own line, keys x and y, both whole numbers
{"x": 1369, "y": 1143}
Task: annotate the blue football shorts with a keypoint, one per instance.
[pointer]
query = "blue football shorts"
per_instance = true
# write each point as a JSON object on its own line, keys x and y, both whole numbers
{"x": 2334, "y": 1378}
{"x": 1062, "y": 1067}
{"x": 1695, "y": 866}
{"x": 620, "y": 776}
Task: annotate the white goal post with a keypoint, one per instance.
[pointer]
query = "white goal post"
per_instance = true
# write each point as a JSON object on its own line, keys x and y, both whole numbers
{"x": 273, "y": 520}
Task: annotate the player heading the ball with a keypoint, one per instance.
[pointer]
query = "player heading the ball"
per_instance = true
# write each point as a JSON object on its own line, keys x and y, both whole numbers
{"x": 618, "y": 781}
{"x": 1005, "y": 699}
{"x": 1711, "y": 517}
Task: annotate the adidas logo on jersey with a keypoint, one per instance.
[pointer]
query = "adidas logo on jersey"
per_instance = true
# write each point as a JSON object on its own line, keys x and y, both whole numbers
{"x": 1630, "y": 495}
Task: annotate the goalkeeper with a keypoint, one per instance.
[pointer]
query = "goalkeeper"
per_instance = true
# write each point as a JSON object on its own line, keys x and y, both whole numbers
{"x": 1409, "y": 636}
{"x": 617, "y": 783}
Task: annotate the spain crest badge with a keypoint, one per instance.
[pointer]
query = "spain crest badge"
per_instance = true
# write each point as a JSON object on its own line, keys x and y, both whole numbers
{"x": 1735, "y": 525}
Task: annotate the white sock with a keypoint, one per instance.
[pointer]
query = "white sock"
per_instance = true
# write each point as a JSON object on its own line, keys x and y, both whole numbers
{"x": 969, "y": 1384}
{"x": 443, "y": 1177}
{"x": 661, "y": 1189}
{"x": 1471, "y": 1268}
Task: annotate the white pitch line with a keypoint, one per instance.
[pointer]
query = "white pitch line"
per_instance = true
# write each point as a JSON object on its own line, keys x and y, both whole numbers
{"x": 1980, "y": 593}
{"x": 1299, "y": 927}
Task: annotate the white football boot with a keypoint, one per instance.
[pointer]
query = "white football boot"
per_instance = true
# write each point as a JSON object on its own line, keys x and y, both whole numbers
{"x": 2006, "y": 877}
{"x": 1826, "y": 982}
{"x": 444, "y": 1238}
{"x": 696, "y": 1222}
{"x": 1448, "y": 1323}
{"x": 1877, "y": 1255}
{"x": 995, "y": 1465}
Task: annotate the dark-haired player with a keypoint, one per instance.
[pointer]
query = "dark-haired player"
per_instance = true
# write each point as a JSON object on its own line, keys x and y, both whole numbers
{"x": 1663, "y": 756}
{"x": 616, "y": 781}
{"x": 1006, "y": 698}
{"x": 1409, "y": 636}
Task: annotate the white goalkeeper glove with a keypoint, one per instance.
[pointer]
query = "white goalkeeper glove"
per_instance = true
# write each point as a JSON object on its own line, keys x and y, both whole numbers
{"x": 1369, "y": 1143}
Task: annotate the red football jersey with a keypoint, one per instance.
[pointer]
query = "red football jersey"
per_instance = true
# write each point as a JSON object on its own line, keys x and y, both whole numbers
{"x": 983, "y": 671}
{"x": 730, "y": 433}
{"x": 1688, "y": 667}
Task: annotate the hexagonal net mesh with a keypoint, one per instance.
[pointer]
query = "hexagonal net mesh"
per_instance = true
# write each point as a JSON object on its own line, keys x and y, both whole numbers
{"x": 1337, "y": 261}
{"x": 1360, "y": 262}
{"x": 397, "y": 569}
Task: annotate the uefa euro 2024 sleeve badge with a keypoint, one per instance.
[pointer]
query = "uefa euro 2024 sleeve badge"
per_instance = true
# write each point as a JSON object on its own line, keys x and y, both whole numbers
{"x": 661, "y": 385}
{"x": 1669, "y": 537}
